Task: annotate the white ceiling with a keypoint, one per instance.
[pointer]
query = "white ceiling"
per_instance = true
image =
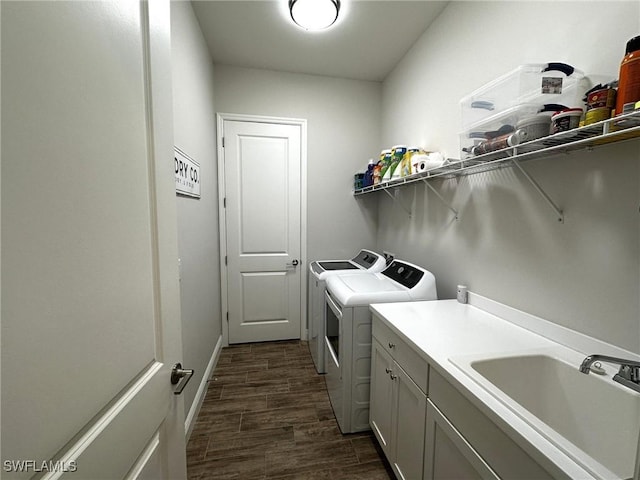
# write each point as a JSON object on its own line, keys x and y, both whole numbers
{"x": 369, "y": 39}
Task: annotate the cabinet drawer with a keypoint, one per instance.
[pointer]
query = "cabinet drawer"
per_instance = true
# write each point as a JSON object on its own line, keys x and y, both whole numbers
{"x": 499, "y": 451}
{"x": 415, "y": 366}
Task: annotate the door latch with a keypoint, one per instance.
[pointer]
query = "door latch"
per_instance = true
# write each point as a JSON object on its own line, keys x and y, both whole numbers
{"x": 182, "y": 375}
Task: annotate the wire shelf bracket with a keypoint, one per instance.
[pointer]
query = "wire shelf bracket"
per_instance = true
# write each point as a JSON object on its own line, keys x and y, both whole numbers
{"x": 395, "y": 200}
{"x": 437, "y": 194}
{"x": 540, "y": 190}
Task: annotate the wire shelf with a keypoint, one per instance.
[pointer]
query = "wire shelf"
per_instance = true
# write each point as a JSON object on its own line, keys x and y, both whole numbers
{"x": 618, "y": 129}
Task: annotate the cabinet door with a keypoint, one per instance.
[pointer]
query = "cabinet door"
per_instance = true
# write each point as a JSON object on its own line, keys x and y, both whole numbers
{"x": 410, "y": 409}
{"x": 448, "y": 456}
{"x": 381, "y": 407}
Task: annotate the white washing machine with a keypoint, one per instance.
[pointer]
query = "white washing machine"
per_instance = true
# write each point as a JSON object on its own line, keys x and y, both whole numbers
{"x": 319, "y": 271}
{"x": 348, "y": 332}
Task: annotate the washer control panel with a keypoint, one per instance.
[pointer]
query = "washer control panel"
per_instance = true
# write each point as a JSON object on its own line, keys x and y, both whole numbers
{"x": 404, "y": 274}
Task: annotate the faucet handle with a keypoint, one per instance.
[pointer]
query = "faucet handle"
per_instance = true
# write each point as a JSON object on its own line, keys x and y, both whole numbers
{"x": 629, "y": 372}
{"x": 628, "y": 375}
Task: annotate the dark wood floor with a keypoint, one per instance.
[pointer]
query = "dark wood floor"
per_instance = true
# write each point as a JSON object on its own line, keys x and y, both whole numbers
{"x": 266, "y": 415}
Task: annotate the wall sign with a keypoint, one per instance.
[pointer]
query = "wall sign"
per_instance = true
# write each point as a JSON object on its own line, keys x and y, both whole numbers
{"x": 187, "y": 174}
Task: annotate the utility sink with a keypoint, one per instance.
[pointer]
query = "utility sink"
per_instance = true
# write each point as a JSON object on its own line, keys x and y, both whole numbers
{"x": 591, "y": 418}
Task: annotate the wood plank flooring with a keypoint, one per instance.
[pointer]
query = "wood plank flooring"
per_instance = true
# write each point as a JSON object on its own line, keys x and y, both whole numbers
{"x": 267, "y": 415}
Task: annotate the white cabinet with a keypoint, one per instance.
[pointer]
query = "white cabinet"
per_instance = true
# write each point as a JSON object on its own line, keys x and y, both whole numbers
{"x": 449, "y": 455}
{"x": 443, "y": 436}
{"x": 409, "y": 420}
{"x": 380, "y": 405}
{"x": 463, "y": 443}
{"x": 398, "y": 404}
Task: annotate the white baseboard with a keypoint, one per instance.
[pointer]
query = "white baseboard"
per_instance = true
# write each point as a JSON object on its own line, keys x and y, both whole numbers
{"x": 202, "y": 390}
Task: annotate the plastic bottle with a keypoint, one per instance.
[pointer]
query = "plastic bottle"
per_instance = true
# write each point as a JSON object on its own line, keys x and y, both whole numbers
{"x": 377, "y": 169}
{"x": 397, "y": 154}
{"x": 405, "y": 165}
{"x": 629, "y": 83}
{"x": 368, "y": 175}
{"x": 385, "y": 157}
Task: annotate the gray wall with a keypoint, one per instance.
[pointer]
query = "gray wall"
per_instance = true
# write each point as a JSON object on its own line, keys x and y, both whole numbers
{"x": 507, "y": 244}
{"x": 194, "y": 133}
{"x": 343, "y": 122}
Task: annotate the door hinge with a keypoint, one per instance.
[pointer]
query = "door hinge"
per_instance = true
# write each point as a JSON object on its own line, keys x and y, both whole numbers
{"x": 225, "y": 259}
{"x": 224, "y": 202}
{"x": 222, "y": 142}
{"x": 227, "y": 317}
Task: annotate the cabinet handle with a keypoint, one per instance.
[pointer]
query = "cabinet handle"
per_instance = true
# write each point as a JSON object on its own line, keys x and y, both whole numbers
{"x": 392, "y": 345}
{"x": 393, "y": 377}
{"x": 388, "y": 370}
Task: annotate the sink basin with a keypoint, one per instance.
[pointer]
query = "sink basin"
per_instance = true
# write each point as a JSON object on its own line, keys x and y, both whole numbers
{"x": 591, "y": 418}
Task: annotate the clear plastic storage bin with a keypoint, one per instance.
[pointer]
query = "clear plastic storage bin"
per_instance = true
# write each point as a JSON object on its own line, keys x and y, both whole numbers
{"x": 503, "y": 123}
{"x": 531, "y": 83}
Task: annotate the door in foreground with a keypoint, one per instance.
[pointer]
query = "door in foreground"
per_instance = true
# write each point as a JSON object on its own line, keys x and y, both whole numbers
{"x": 90, "y": 295}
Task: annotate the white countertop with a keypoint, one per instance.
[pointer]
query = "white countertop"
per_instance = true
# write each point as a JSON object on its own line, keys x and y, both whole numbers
{"x": 440, "y": 330}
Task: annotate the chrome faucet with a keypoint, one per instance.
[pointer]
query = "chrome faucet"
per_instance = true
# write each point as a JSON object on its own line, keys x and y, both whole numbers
{"x": 628, "y": 375}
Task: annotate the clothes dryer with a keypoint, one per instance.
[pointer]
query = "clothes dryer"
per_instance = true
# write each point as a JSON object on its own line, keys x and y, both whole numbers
{"x": 319, "y": 271}
{"x": 347, "y": 341}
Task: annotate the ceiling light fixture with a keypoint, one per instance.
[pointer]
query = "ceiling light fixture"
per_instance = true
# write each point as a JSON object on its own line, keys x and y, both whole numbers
{"x": 314, "y": 14}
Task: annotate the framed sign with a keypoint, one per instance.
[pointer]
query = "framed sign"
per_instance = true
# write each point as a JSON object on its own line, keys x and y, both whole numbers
{"x": 187, "y": 174}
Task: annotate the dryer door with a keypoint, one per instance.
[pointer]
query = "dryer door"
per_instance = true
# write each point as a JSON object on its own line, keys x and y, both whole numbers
{"x": 333, "y": 329}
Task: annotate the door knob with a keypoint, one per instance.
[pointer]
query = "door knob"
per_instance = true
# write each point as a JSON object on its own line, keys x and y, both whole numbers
{"x": 179, "y": 374}
{"x": 292, "y": 265}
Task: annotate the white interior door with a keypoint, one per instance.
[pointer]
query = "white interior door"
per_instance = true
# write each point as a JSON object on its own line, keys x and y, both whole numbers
{"x": 262, "y": 174}
{"x": 90, "y": 295}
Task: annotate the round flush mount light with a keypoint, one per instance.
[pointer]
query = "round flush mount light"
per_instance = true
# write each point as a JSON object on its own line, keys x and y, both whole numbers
{"x": 314, "y": 14}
